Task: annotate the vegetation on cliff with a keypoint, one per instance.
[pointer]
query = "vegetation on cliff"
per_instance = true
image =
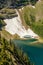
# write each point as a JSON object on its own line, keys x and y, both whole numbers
{"x": 7, "y": 13}
{"x": 34, "y": 17}
{"x": 2, "y": 24}
{"x": 11, "y": 55}
{"x": 15, "y": 3}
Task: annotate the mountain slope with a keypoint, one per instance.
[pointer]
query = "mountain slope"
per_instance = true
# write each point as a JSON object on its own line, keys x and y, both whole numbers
{"x": 15, "y": 26}
{"x": 34, "y": 17}
{"x": 11, "y": 55}
{"x": 15, "y": 3}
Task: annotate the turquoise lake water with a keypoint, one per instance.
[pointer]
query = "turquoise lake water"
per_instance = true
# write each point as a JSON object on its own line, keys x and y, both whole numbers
{"x": 34, "y": 52}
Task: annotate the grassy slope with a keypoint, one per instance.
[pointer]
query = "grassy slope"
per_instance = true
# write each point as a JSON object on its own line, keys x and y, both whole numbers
{"x": 22, "y": 19}
{"x": 34, "y": 17}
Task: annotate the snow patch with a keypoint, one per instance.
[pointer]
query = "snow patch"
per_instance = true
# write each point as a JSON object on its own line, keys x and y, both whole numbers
{"x": 14, "y": 26}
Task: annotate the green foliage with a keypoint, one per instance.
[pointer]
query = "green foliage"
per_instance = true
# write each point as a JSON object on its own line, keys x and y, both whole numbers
{"x": 2, "y": 24}
{"x": 39, "y": 10}
{"x": 9, "y": 54}
{"x": 38, "y": 28}
{"x": 29, "y": 15}
{"x": 34, "y": 18}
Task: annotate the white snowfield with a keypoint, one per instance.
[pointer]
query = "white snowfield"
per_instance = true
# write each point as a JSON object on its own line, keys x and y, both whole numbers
{"x": 14, "y": 26}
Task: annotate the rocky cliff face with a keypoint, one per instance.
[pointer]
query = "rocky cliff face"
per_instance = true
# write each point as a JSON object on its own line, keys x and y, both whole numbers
{"x": 8, "y": 3}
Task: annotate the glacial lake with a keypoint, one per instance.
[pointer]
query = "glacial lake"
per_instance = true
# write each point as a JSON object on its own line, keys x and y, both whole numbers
{"x": 34, "y": 52}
